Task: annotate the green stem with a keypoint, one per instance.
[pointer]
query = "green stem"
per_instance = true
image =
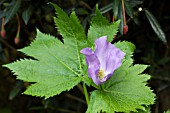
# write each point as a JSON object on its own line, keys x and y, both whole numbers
{"x": 86, "y": 93}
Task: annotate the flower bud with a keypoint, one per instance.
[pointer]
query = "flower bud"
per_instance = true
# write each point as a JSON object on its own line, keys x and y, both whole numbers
{"x": 3, "y": 33}
{"x": 125, "y": 29}
{"x": 16, "y": 40}
{"x": 113, "y": 19}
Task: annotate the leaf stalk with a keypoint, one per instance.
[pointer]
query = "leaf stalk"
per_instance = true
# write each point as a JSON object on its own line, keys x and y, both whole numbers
{"x": 86, "y": 94}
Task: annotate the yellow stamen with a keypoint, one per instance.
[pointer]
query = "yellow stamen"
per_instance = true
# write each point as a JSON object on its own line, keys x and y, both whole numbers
{"x": 101, "y": 74}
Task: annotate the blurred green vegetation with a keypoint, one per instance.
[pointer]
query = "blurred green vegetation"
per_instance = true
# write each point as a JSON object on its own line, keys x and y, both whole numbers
{"x": 148, "y": 29}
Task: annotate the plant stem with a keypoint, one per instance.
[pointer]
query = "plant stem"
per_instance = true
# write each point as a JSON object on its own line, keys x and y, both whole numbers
{"x": 124, "y": 16}
{"x": 2, "y": 26}
{"x": 19, "y": 26}
{"x": 86, "y": 94}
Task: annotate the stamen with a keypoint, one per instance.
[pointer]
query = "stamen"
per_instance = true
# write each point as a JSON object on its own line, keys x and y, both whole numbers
{"x": 101, "y": 74}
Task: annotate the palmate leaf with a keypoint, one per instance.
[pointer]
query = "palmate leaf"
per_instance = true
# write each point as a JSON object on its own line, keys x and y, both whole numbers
{"x": 58, "y": 66}
{"x": 125, "y": 91}
{"x": 100, "y": 26}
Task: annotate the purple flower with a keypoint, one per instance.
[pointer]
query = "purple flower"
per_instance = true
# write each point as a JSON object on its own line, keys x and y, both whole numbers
{"x": 103, "y": 61}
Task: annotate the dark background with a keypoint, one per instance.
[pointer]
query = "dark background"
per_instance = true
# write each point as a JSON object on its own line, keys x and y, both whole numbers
{"x": 150, "y": 50}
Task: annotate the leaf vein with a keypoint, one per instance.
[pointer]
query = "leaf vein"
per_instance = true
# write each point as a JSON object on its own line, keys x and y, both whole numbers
{"x": 60, "y": 60}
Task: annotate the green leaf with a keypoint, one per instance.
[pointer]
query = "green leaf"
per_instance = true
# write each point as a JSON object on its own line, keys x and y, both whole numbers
{"x": 81, "y": 11}
{"x": 106, "y": 8}
{"x": 57, "y": 85}
{"x": 156, "y": 27}
{"x": 15, "y": 90}
{"x": 2, "y": 14}
{"x": 167, "y": 111}
{"x": 89, "y": 82}
{"x": 136, "y": 19}
{"x": 27, "y": 14}
{"x": 116, "y": 8}
{"x": 120, "y": 17}
{"x": 100, "y": 26}
{"x": 5, "y": 110}
{"x": 48, "y": 83}
{"x": 125, "y": 91}
{"x": 126, "y": 47}
{"x": 128, "y": 9}
{"x": 134, "y": 3}
{"x": 147, "y": 110}
{"x": 58, "y": 66}
{"x": 12, "y": 11}
{"x": 70, "y": 28}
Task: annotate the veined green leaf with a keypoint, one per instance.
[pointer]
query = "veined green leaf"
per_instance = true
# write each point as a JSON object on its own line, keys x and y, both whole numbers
{"x": 54, "y": 54}
{"x": 12, "y": 11}
{"x": 156, "y": 27}
{"x": 58, "y": 66}
{"x": 72, "y": 29}
{"x": 100, "y": 26}
{"x": 48, "y": 83}
{"x": 125, "y": 91}
{"x": 56, "y": 85}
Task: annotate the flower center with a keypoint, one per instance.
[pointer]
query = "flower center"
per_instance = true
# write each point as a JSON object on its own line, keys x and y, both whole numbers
{"x": 101, "y": 74}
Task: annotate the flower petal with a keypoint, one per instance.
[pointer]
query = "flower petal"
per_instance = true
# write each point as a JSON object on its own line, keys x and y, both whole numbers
{"x": 109, "y": 56}
{"x": 87, "y": 51}
{"x": 93, "y": 64}
{"x": 100, "y": 51}
{"x": 114, "y": 59}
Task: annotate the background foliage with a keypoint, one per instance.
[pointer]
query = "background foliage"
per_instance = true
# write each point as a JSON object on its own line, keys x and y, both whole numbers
{"x": 37, "y": 14}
